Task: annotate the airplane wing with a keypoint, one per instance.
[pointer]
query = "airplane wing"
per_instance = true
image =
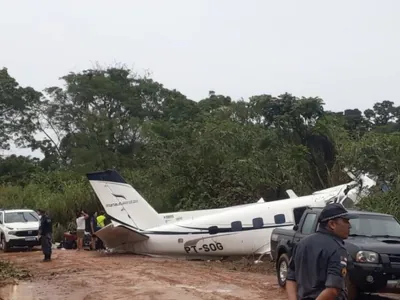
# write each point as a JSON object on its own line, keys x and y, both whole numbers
{"x": 114, "y": 236}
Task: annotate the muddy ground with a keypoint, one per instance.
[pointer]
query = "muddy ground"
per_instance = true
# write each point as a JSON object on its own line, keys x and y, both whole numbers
{"x": 90, "y": 275}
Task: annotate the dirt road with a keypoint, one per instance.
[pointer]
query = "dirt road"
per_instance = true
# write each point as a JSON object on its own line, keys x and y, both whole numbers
{"x": 90, "y": 275}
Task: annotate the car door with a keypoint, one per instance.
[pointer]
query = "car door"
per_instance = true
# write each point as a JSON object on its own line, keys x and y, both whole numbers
{"x": 307, "y": 228}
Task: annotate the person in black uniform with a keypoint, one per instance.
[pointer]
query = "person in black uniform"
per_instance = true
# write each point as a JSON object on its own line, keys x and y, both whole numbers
{"x": 45, "y": 232}
{"x": 318, "y": 266}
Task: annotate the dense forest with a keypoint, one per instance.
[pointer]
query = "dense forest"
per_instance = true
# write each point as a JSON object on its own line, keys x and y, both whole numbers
{"x": 182, "y": 154}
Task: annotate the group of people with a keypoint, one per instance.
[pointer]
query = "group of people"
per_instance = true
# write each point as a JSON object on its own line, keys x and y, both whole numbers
{"x": 84, "y": 222}
{"x": 91, "y": 224}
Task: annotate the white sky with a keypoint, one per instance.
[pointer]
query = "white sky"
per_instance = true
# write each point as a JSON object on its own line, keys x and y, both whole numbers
{"x": 345, "y": 52}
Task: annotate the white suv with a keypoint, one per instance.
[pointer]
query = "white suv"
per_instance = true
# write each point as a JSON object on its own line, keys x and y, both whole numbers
{"x": 18, "y": 228}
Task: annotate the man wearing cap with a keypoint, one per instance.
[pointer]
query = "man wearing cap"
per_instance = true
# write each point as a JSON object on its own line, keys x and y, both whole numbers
{"x": 45, "y": 234}
{"x": 318, "y": 266}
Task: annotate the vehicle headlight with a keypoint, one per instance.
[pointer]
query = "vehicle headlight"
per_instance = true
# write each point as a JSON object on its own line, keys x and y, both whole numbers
{"x": 367, "y": 257}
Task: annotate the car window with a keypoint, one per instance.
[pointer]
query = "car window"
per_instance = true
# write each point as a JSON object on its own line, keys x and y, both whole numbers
{"x": 377, "y": 225}
{"x": 1, "y": 218}
{"x": 307, "y": 227}
{"x": 18, "y": 217}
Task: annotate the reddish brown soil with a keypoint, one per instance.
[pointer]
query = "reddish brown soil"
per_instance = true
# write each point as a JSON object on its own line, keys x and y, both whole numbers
{"x": 91, "y": 275}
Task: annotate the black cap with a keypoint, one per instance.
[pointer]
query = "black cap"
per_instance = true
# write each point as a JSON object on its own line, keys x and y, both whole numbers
{"x": 333, "y": 211}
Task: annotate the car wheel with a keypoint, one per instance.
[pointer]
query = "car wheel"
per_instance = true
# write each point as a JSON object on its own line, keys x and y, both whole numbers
{"x": 282, "y": 267}
{"x": 4, "y": 244}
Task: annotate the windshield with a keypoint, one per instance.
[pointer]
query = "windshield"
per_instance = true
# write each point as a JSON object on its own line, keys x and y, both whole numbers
{"x": 371, "y": 225}
{"x": 16, "y": 217}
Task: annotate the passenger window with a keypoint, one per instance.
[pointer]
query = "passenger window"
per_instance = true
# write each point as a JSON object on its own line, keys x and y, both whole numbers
{"x": 258, "y": 222}
{"x": 308, "y": 224}
{"x": 236, "y": 226}
{"x": 213, "y": 230}
{"x": 298, "y": 213}
{"x": 279, "y": 219}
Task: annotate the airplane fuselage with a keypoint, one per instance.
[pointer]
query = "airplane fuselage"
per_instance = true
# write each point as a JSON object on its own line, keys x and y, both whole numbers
{"x": 238, "y": 231}
{"x": 234, "y": 231}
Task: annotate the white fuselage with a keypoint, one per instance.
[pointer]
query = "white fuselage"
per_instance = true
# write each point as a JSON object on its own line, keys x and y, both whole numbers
{"x": 234, "y": 231}
{"x": 193, "y": 237}
{"x": 173, "y": 217}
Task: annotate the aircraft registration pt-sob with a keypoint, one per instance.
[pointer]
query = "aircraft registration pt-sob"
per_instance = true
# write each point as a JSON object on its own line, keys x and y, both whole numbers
{"x": 240, "y": 230}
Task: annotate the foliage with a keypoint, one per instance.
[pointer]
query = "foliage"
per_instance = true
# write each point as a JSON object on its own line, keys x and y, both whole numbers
{"x": 9, "y": 271}
{"x": 182, "y": 154}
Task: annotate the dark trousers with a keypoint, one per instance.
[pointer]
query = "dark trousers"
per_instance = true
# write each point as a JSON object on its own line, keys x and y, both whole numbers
{"x": 46, "y": 245}
{"x": 99, "y": 242}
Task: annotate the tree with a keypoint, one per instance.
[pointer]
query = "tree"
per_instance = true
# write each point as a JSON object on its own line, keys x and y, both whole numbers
{"x": 183, "y": 154}
{"x": 17, "y": 111}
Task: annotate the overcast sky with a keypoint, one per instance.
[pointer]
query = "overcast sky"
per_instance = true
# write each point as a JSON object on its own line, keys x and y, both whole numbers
{"x": 345, "y": 52}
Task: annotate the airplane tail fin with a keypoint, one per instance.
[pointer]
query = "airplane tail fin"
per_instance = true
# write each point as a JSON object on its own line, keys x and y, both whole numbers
{"x": 122, "y": 202}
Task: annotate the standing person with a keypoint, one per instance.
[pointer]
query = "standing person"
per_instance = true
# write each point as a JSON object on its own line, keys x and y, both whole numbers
{"x": 80, "y": 228}
{"x": 45, "y": 234}
{"x": 100, "y": 223}
{"x": 318, "y": 266}
{"x": 100, "y": 219}
{"x": 93, "y": 230}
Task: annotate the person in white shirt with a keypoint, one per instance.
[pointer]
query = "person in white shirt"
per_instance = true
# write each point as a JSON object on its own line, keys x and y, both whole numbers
{"x": 80, "y": 228}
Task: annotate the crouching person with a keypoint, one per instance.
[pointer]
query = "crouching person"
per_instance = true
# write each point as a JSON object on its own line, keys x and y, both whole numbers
{"x": 45, "y": 233}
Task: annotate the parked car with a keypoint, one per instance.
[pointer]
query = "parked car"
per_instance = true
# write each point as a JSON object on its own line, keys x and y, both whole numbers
{"x": 373, "y": 247}
{"x": 18, "y": 228}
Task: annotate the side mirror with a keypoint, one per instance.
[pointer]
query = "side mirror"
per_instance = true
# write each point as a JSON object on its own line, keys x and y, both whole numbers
{"x": 296, "y": 227}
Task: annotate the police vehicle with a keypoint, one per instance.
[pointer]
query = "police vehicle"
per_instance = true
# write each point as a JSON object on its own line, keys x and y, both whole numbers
{"x": 373, "y": 246}
{"x": 18, "y": 228}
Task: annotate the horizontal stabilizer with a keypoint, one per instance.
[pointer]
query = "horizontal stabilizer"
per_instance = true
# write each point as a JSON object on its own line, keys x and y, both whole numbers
{"x": 291, "y": 194}
{"x": 115, "y": 236}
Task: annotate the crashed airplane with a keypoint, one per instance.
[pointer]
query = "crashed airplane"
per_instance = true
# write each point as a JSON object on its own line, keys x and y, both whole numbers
{"x": 241, "y": 230}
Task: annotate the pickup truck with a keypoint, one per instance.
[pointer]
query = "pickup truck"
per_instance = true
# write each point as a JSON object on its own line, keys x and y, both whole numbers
{"x": 373, "y": 247}
{"x": 18, "y": 228}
